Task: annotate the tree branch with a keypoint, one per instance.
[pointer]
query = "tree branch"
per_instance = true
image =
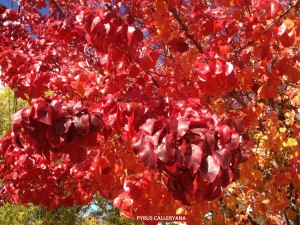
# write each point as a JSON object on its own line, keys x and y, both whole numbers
{"x": 286, "y": 218}
{"x": 186, "y": 30}
{"x": 239, "y": 99}
{"x": 58, "y": 8}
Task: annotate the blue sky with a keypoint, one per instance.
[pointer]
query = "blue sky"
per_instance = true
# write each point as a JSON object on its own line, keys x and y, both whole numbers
{"x": 9, "y": 4}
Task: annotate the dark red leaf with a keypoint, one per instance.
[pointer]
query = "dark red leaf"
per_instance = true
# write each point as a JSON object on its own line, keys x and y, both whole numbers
{"x": 210, "y": 140}
{"x": 53, "y": 138}
{"x": 179, "y": 45}
{"x": 96, "y": 123}
{"x": 224, "y": 132}
{"x": 57, "y": 107}
{"x": 234, "y": 141}
{"x": 43, "y": 114}
{"x": 148, "y": 126}
{"x": 239, "y": 124}
{"x": 76, "y": 153}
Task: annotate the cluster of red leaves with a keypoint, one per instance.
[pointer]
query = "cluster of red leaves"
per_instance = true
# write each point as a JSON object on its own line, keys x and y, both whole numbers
{"x": 48, "y": 157}
{"x": 214, "y": 71}
{"x": 198, "y": 153}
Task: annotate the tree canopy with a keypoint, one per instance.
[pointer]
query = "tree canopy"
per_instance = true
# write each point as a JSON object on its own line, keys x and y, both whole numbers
{"x": 162, "y": 106}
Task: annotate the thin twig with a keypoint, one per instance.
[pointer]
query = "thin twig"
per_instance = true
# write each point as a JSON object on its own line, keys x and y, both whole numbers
{"x": 153, "y": 80}
{"x": 287, "y": 221}
{"x": 237, "y": 97}
{"x": 58, "y": 8}
{"x": 248, "y": 7}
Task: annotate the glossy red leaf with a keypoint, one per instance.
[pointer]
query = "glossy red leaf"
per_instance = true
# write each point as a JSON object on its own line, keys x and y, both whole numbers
{"x": 224, "y": 132}
{"x": 209, "y": 168}
{"x": 228, "y": 68}
{"x": 148, "y": 126}
{"x": 134, "y": 35}
{"x": 146, "y": 153}
{"x": 96, "y": 123}
{"x": 165, "y": 151}
{"x": 239, "y": 124}
{"x": 43, "y": 114}
{"x": 210, "y": 140}
{"x": 223, "y": 156}
{"x": 182, "y": 128}
{"x": 234, "y": 141}
{"x": 192, "y": 157}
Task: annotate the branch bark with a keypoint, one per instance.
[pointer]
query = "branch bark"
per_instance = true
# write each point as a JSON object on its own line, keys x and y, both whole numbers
{"x": 58, "y": 8}
{"x": 287, "y": 221}
{"x": 186, "y": 29}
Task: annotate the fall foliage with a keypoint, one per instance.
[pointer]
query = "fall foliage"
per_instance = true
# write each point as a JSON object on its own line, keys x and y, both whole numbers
{"x": 163, "y": 106}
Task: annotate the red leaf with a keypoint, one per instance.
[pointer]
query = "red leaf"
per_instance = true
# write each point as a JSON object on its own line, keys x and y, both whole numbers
{"x": 210, "y": 140}
{"x": 210, "y": 168}
{"x": 207, "y": 27}
{"x": 282, "y": 29}
{"x": 148, "y": 126}
{"x": 224, "y": 132}
{"x": 165, "y": 151}
{"x": 188, "y": 182}
{"x": 85, "y": 120}
{"x": 53, "y": 138}
{"x": 57, "y": 107}
{"x": 76, "y": 153}
{"x": 227, "y": 176}
{"x": 43, "y": 114}
{"x": 96, "y": 123}
{"x": 223, "y": 156}
{"x": 182, "y": 128}
{"x": 96, "y": 25}
{"x": 239, "y": 124}
{"x": 228, "y": 68}
{"x": 146, "y": 153}
{"x": 179, "y": 45}
{"x": 134, "y": 35}
{"x": 192, "y": 157}
{"x": 234, "y": 141}
{"x": 173, "y": 124}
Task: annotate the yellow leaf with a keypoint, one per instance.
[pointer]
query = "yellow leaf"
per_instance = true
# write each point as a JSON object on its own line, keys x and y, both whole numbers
{"x": 291, "y": 142}
{"x": 266, "y": 201}
{"x": 289, "y": 23}
{"x": 282, "y": 129}
{"x": 181, "y": 211}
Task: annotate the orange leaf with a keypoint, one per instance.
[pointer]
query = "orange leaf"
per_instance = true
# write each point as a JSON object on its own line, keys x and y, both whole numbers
{"x": 267, "y": 92}
{"x": 293, "y": 74}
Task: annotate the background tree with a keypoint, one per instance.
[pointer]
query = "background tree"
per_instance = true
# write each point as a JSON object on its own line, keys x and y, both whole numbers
{"x": 8, "y": 105}
{"x": 166, "y": 100}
